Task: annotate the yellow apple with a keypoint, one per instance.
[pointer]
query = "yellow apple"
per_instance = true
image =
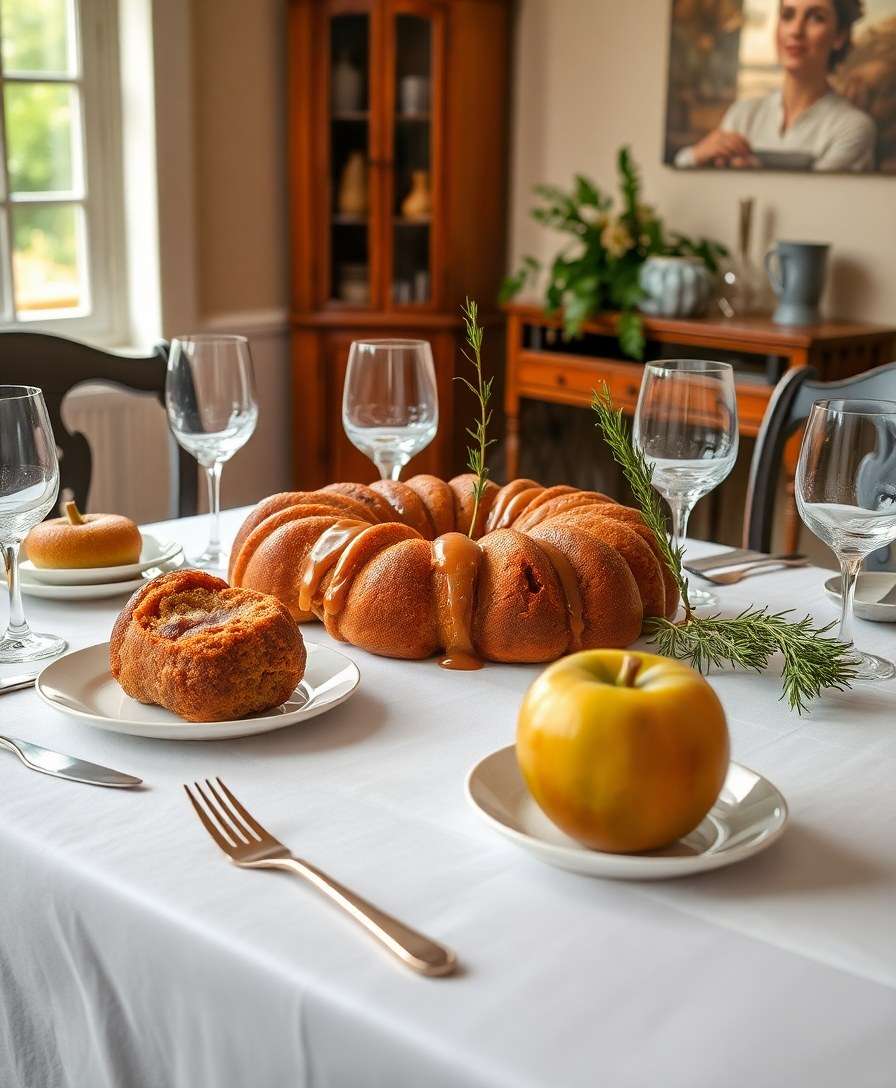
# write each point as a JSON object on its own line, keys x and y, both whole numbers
{"x": 623, "y": 751}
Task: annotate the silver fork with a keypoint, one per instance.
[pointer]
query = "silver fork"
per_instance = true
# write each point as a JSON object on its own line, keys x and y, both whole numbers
{"x": 731, "y": 578}
{"x": 249, "y": 845}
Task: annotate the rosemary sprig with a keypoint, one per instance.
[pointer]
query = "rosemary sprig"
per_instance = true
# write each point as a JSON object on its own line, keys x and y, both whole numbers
{"x": 640, "y": 479}
{"x": 482, "y": 391}
{"x": 812, "y": 661}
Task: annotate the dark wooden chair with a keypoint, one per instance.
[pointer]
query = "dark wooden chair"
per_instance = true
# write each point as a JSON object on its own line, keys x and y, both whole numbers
{"x": 56, "y": 365}
{"x": 789, "y": 408}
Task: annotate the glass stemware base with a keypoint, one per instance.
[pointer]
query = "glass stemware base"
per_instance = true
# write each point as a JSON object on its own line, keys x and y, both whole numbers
{"x": 32, "y": 646}
{"x": 871, "y": 667}
{"x": 209, "y": 560}
{"x": 699, "y": 598}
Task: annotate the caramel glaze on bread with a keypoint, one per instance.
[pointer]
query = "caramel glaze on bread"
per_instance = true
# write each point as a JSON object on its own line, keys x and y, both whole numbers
{"x": 188, "y": 642}
{"x": 548, "y": 571}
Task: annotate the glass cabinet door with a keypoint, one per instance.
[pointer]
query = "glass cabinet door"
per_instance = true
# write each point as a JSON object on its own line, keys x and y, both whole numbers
{"x": 350, "y": 136}
{"x": 413, "y": 46}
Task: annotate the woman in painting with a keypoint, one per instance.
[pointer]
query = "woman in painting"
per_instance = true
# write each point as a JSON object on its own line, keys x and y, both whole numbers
{"x": 806, "y": 124}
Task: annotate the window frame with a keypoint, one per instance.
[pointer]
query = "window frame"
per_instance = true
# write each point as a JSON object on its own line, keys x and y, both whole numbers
{"x": 99, "y": 147}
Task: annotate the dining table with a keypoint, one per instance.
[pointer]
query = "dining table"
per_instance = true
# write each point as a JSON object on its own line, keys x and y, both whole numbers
{"x": 133, "y": 954}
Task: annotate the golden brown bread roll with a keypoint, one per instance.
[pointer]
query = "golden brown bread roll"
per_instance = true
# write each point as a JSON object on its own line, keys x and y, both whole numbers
{"x": 79, "y": 541}
{"x": 188, "y": 642}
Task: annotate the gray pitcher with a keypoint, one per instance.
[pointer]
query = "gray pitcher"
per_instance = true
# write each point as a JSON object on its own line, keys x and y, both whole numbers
{"x": 796, "y": 271}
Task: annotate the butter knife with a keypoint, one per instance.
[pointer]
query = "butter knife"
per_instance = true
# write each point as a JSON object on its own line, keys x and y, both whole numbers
{"x": 62, "y": 766}
{"x": 16, "y": 683}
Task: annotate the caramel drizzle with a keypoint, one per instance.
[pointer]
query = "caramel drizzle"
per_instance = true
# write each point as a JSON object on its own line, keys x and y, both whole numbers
{"x": 343, "y": 575}
{"x": 456, "y": 557}
{"x": 324, "y": 555}
{"x": 517, "y": 506}
{"x": 506, "y": 495}
{"x": 497, "y": 510}
{"x": 570, "y": 586}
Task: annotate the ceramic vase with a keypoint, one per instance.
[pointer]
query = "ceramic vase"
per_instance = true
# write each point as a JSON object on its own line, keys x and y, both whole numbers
{"x": 346, "y": 87}
{"x": 741, "y": 289}
{"x": 418, "y": 203}
{"x": 352, "y": 198}
{"x": 675, "y": 286}
{"x": 796, "y": 271}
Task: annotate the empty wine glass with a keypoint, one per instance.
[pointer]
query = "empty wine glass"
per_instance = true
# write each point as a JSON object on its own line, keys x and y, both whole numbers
{"x": 212, "y": 412}
{"x": 686, "y": 427}
{"x": 29, "y": 484}
{"x": 846, "y": 494}
{"x": 390, "y": 405}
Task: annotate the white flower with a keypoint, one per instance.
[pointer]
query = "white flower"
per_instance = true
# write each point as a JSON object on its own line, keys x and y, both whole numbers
{"x": 594, "y": 217}
{"x": 615, "y": 238}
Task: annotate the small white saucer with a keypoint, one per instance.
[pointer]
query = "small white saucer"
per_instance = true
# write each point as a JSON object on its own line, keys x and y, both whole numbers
{"x": 80, "y": 684}
{"x": 748, "y": 816}
{"x": 870, "y": 587}
{"x": 154, "y": 552}
{"x": 32, "y": 588}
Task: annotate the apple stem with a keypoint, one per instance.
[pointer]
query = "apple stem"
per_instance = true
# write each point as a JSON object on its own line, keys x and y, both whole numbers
{"x": 73, "y": 514}
{"x": 628, "y": 671}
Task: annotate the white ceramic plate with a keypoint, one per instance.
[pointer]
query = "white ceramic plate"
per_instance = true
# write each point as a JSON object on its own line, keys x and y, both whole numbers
{"x": 154, "y": 552}
{"x": 81, "y": 685}
{"x": 870, "y": 587}
{"x": 32, "y": 588}
{"x": 748, "y": 816}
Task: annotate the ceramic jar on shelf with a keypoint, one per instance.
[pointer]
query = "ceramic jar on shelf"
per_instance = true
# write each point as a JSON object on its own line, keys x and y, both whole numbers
{"x": 675, "y": 286}
{"x": 418, "y": 203}
{"x": 352, "y": 197}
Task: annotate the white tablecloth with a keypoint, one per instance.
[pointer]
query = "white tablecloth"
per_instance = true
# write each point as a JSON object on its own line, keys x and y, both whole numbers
{"x": 134, "y": 955}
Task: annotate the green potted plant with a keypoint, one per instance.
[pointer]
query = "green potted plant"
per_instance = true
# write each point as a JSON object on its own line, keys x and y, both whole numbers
{"x": 600, "y": 268}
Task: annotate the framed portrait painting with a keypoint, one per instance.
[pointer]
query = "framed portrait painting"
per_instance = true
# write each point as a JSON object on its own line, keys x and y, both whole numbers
{"x": 807, "y": 85}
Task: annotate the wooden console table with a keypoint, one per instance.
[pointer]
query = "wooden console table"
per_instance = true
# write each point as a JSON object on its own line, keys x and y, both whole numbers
{"x": 542, "y": 366}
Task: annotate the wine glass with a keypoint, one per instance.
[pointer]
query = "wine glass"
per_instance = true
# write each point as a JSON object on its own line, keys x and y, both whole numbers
{"x": 212, "y": 412}
{"x": 29, "y": 484}
{"x": 686, "y": 426}
{"x": 846, "y": 494}
{"x": 390, "y": 406}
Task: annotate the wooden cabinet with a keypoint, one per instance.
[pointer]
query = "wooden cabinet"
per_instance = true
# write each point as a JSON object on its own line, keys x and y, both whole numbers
{"x": 397, "y": 177}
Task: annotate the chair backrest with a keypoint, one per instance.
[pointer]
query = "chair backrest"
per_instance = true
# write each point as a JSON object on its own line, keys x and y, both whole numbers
{"x": 789, "y": 407}
{"x": 57, "y": 364}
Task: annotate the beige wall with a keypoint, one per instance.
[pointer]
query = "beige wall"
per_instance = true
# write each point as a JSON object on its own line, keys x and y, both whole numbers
{"x": 239, "y": 63}
{"x": 241, "y": 216}
{"x": 590, "y": 75}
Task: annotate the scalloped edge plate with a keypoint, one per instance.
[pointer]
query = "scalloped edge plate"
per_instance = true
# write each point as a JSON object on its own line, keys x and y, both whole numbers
{"x": 748, "y": 816}
{"x": 81, "y": 685}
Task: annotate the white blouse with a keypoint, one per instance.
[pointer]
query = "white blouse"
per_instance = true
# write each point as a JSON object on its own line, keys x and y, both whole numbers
{"x": 836, "y": 134}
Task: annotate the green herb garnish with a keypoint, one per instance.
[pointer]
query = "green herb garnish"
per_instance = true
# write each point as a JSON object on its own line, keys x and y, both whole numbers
{"x": 482, "y": 391}
{"x": 812, "y": 661}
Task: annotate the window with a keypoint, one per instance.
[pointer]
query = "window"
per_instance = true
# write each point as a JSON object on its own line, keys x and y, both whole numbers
{"x": 61, "y": 253}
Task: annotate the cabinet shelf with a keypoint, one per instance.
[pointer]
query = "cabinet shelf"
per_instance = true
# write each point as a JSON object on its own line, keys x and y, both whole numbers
{"x": 413, "y": 118}
{"x": 349, "y": 221}
{"x": 352, "y": 116}
{"x": 415, "y": 221}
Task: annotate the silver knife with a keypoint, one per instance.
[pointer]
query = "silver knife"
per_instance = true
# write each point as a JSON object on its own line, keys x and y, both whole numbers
{"x": 739, "y": 559}
{"x": 723, "y": 559}
{"x": 14, "y": 683}
{"x": 61, "y": 766}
